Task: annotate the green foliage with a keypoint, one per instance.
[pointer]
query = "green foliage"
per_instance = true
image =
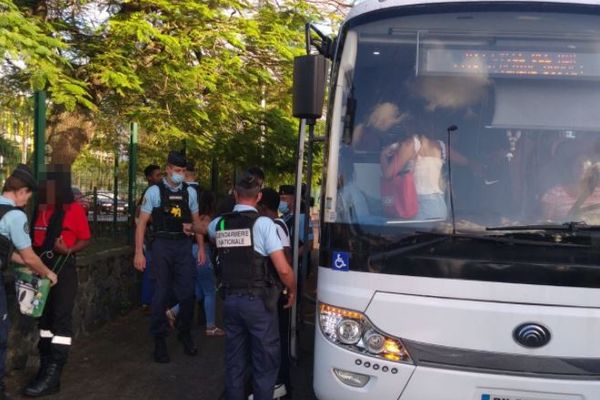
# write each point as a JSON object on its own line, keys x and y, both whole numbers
{"x": 32, "y": 60}
{"x": 214, "y": 74}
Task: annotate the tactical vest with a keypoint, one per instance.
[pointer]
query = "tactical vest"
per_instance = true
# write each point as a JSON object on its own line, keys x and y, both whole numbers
{"x": 174, "y": 211}
{"x": 6, "y": 246}
{"x": 241, "y": 267}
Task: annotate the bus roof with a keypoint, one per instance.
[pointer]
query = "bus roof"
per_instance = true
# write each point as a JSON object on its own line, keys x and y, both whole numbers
{"x": 373, "y": 5}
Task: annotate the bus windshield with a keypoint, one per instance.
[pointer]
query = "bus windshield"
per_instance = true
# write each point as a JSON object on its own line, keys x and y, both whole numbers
{"x": 501, "y": 107}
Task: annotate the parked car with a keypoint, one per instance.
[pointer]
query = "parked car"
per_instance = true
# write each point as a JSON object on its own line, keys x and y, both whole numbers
{"x": 81, "y": 199}
{"x": 105, "y": 203}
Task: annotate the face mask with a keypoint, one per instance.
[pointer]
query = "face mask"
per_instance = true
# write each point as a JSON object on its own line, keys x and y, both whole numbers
{"x": 283, "y": 207}
{"x": 177, "y": 178}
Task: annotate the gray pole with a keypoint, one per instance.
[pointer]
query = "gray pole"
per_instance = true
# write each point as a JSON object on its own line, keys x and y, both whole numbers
{"x": 296, "y": 236}
{"x": 132, "y": 187}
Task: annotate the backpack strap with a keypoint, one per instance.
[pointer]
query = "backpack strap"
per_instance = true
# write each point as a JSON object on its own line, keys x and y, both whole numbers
{"x": 164, "y": 197}
{"x": 444, "y": 150}
{"x": 186, "y": 195}
{"x": 6, "y": 208}
{"x": 283, "y": 226}
{"x": 53, "y": 230}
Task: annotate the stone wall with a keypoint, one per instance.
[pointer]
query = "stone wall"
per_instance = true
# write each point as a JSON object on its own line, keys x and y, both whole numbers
{"x": 108, "y": 287}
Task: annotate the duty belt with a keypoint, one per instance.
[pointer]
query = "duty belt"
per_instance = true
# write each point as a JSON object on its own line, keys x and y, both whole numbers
{"x": 169, "y": 235}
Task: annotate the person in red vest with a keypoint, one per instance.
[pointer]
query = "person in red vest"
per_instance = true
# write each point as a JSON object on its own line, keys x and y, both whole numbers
{"x": 60, "y": 231}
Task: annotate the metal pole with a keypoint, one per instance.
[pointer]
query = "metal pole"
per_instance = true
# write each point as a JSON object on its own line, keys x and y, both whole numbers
{"x": 296, "y": 235}
{"x": 95, "y": 215}
{"x": 39, "y": 134}
{"x": 132, "y": 189}
{"x": 309, "y": 173}
{"x": 115, "y": 192}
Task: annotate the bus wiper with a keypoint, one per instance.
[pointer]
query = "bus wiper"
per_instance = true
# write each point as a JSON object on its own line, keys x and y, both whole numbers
{"x": 440, "y": 237}
{"x": 566, "y": 227}
{"x": 406, "y": 249}
{"x": 510, "y": 240}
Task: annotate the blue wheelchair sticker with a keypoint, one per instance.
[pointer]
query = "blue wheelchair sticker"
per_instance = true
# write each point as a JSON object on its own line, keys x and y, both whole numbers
{"x": 340, "y": 261}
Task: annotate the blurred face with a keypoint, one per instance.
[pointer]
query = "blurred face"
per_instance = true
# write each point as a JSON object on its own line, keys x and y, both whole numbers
{"x": 190, "y": 176}
{"x": 50, "y": 192}
{"x": 385, "y": 115}
{"x": 155, "y": 177}
{"x": 22, "y": 196}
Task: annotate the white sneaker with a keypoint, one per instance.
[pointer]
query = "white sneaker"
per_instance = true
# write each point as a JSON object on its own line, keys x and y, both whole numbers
{"x": 278, "y": 392}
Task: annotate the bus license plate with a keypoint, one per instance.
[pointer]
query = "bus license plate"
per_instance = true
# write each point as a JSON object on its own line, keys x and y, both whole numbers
{"x": 502, "y": 396}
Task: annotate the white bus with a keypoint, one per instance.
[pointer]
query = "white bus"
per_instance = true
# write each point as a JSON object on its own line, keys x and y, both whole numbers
{"x": 476, "y": 274}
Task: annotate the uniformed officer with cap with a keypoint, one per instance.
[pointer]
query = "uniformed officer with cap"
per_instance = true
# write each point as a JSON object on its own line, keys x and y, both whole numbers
{"x": 252, "y": 267}
{"x": 14, "y": 235}
{"x": 173, "y": 206}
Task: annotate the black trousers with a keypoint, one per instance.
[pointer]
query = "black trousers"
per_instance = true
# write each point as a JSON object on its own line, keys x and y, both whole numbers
{"x": 284, "y": 334}
{"x": 4, "y": 327}
{"x": 56, "y": 323}
{"x": 174, "y": 274}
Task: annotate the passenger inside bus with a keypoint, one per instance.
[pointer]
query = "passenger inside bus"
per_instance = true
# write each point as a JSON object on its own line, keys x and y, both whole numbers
{"x": 385, "y": 119}
{"x": 425, "y": 159}
{"x": 578, "y": 197}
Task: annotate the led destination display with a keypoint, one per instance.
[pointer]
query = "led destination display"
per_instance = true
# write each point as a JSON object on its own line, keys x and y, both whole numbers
{"x": 497, "y": 63}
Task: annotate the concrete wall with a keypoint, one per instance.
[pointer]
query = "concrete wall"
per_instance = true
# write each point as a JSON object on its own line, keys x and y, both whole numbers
{"x": 108, "y": 287}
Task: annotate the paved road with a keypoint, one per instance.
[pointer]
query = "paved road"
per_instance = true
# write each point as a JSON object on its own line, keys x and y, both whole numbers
{"x": 115, "y": 363}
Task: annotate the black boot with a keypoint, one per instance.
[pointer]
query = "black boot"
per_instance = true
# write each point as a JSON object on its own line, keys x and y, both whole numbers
{"x": 48, "y": 383}
{"x": 189, "y": 347}
{"x": 3, "y": 394}
{"x": 160, "y": 351}
{"x": 44, "y": 361}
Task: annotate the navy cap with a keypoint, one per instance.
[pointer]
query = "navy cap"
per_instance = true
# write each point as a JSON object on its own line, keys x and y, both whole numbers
{"x": 177, "y": 159}
{"x": 287, "y": 189}
{"x": 23, "y": 173}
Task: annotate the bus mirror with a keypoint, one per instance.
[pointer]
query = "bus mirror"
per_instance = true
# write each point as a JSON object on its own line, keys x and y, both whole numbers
{"x": 310, "y": 75}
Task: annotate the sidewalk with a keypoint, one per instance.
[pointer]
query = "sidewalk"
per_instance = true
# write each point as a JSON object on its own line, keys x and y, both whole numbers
{"x": 116, "y": 363}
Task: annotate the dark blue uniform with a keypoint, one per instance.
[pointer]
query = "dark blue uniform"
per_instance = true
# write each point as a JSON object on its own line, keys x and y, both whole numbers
{"x": 5, "y": 252}
{"x": 173, "y": 266}
{"x": 13, "y": 230}
{"x": 244, "y": 242}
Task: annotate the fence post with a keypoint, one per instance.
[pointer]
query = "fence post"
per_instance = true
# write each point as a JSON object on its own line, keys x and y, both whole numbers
{"x": 39, "y": 139}
{"x": 95, "y": 200}
{"x": 133, "y": 140}
{"x": 115, "y": 193}
{"x": 39, "y": 134}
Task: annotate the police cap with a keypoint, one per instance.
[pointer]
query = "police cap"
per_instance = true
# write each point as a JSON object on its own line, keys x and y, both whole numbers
{"x": 270, "y": 199}
{"x": 177, "y": 159}
{"x": 287, "y": 189}
{"x": 23, "y": 173}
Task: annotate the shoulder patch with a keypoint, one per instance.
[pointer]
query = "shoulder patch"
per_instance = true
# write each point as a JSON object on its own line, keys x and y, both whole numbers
{"x": 26, "y": 227}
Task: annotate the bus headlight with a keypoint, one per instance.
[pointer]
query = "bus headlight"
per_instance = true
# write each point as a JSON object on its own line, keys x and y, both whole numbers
{"x": 374, "y": 342}
{"x": 349, "y": 331}
{"x": 353, "y": 331}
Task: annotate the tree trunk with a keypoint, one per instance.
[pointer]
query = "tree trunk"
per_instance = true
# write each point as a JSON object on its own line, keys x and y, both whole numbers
{"x": 68, "y": 133}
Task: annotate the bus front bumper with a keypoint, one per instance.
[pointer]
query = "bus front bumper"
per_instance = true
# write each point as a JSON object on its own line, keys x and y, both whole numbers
{"x": 396, "y": 381}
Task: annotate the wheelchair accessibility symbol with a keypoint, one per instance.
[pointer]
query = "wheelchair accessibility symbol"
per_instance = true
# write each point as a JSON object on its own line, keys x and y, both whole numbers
{"x": 340, "y": 261}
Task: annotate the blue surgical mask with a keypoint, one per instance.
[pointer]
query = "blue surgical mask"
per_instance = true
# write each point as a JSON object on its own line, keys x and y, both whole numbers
{"x": 283, "y": 207}
{"x": 177, "y": 178}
